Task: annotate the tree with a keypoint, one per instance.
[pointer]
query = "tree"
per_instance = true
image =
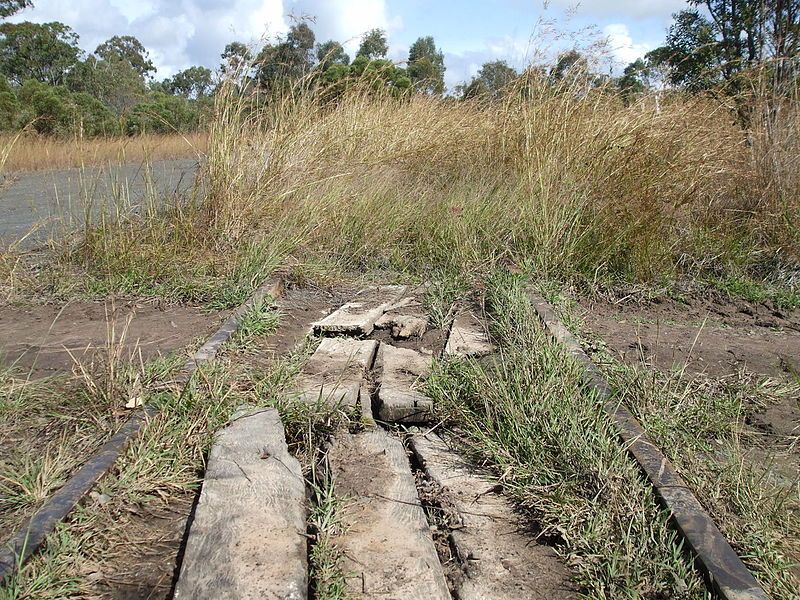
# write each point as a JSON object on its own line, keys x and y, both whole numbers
{"x": 426, "y": 66}
{"x": 45, "y": 52}
{"x": 739, "y": 35}
{"x": 10, "y": 7}
{"x": 235, "y": 58}
{"x": 492, "y": 81}
{"x": 127, "y": 49}
{"x": 163, "y": 113}
{"x": 288, "y": 60}
{"x": 331, "y": 53}
{"x": 691, "y": 52}
{"x": 115, "y": 83}
{"x": 373, "y": 45}
{"x": 633, "y": 80}
{"x": 569, "y": 65}
{"x": 381, "y": 74}
{"x": 194, "y": 82}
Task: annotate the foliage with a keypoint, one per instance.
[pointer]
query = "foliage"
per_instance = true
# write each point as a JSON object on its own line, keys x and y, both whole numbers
{"x": 331, "y": 53}
{"x": 235, "y": 58}
{"x": 127, "y": 49}
{"x": 114, "y": 82}
{"x": 45, "y": 52}
{"x": 737, "y": 36}
{"x": 493, "y": 79}
{"x": 426, "y": 66}
{"x": 373, "y": 45}
{"x": 162, "y": 113}
{"x": 194, "y": 82}
{"x": 10, "y": 7}
{"x": 690, "y": 52}
{"x": 288, "y": 60}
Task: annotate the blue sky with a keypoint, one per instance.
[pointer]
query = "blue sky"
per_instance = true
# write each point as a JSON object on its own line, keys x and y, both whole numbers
{"x": 180, "y": 33}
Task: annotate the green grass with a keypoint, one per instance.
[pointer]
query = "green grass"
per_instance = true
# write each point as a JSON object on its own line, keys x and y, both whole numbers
{"x": 699, "y": 424}
{"x": 261, "y": 319}
{"x": 528, "y": 415}
{"x": 325, "y": 571}
{"x": 783, "y": 295}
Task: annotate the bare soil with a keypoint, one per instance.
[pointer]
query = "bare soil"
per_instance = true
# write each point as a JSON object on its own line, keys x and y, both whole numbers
{"x": 711, "y": 335}
{"x": 39, "y": 338}
{"x": 143, "y": 561}
{"x": 146, "y": 564}
{"x": 719, "y": 338}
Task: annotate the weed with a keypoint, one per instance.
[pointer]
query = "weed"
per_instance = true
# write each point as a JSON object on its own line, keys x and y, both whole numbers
{"x": 27, "y": 152}
{"x": 528, "y": 415}
{"x": 325, "y": 572}
{"x": 260, "y": 319}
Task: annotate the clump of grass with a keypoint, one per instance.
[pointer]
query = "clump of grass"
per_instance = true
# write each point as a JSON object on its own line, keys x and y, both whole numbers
{"x": 260, "y": 319}
{"x": 699, "y": 423}
{"x": 325, "y": 523}
{"x": 528, "y": 415}
{"x": 573, "y": 185}
{"x": 571, "y": 182}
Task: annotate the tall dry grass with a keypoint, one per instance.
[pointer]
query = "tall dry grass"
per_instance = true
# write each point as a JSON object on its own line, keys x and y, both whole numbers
{"x": 569, "y": 183}
{"x": 30, "y": 152}
{"x": 574, "y": 185}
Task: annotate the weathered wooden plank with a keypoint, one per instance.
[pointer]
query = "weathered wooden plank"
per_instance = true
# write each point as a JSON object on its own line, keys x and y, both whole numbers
{"x": 401, "y": 375}
{"x": 248, "y": 538}
{"x": 387, "y": 545}
{"x": 500, "y": 560}
{"x": 335, "y": 372}
{"x": 405, "y": 319}
{"x": 359, "y": 316}
{"x": 468, "y": 337}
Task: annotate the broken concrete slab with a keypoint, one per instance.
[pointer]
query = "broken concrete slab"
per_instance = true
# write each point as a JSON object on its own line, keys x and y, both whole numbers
{"x": 359, "y": 316}
{"x": 500, "y": 560}
{"x": 335, "y": 372}
{"x": 402, "y": 371}
{"x": 252, "y": 509}
{"x": 468, "y": 337}
{"x": 387, "y": 548}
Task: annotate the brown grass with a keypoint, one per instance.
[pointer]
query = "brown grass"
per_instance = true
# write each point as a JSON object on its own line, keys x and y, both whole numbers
{"x": 34, "y": 153}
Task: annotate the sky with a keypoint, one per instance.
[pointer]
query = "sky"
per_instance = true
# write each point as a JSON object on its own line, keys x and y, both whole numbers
{"x": 182, "y": 33}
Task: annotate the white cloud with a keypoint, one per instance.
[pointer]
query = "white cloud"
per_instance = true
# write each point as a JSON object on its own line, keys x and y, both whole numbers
{"x": 344, "y": 20}
{"x": 614, "y": 9}
{"x": 621, "y": 44}
{"x": 177, "y": 33}
{"x": 180, "y": 33}
{"x": 463, "y": 66}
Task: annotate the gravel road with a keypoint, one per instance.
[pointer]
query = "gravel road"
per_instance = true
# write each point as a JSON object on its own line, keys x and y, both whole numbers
{"x": 37, "y": 205}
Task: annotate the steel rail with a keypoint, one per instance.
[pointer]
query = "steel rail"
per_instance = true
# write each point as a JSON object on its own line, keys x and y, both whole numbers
{"x": 28, "y": 539}
{"x": 725, "y": 572}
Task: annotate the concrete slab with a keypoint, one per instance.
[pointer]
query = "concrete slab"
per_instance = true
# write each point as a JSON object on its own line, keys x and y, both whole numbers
{"x": 335, "y": 372}
{"x": 387, "y": 545}
{"x": 501, "y": 561}
{"x": 251, "y": 511}
{"x": 468, "y": 337}
{"x": 359, "y": 316}
{"x": 401, "y": 373}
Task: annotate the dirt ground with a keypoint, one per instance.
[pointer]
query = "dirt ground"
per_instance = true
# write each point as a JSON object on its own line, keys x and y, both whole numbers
{"x": 146, "y": 565}
{"x": 38, "y": 339}
{"x": 713, "y": 336}
{"x": 719, "y": 338}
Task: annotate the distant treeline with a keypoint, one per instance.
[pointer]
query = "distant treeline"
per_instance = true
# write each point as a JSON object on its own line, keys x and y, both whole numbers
{"x": 49, "y": 84}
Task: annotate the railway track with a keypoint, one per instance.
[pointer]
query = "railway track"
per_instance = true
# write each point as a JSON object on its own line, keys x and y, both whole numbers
{"x": 418, "y": 519}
